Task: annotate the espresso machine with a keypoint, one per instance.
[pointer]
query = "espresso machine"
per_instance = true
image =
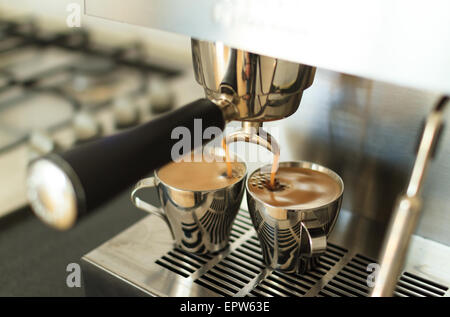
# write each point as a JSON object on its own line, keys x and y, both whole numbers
{"x": 373, "y": 87}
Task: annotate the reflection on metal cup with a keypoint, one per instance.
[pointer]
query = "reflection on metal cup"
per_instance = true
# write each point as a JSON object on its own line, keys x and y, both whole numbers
{"x": 293, "y": 238}
{"x": 200, "y": 220}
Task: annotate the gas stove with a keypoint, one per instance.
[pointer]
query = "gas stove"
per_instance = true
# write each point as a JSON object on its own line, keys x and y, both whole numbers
{"x": 61, "y": 89}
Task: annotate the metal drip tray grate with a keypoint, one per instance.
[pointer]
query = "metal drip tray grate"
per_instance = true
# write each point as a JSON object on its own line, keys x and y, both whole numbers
{"x": 142, "y": 260}
{"x": 352, "y": 281}
{"x": 241, "y": 272}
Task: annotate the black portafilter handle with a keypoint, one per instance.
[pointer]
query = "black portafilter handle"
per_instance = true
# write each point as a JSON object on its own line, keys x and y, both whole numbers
{"x": 95, "y": 172}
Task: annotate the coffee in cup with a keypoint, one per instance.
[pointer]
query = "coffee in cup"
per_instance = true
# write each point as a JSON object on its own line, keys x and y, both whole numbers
{"x": 198, "y": 201}
{"x": 295, "y": 187}
{"x": 293, "y": 217}
{"x": 208, "y": 172}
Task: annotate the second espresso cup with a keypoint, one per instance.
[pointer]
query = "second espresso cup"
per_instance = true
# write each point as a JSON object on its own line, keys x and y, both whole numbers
{"x": 200, "y": 220}
{"x": 292, "y": 238}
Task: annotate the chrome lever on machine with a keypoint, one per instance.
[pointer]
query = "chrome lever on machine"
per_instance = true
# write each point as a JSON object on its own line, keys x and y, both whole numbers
{"x": 408, "y": 207}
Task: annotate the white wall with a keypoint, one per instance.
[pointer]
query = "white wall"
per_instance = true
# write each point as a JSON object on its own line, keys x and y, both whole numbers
{"x": 53, "y": 14}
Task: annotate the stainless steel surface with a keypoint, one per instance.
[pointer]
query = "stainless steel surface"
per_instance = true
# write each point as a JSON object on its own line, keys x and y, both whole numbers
{"x": 200, "y": 221}
{"x": 52, "y": 194}
{"x": 367, "y": 132}
{"x": 428, "y": 143}
{"x": 292, "y": 239}
{"x": 408, "y": 208}
{"x": 381, "y": 40}
{"x": 363, "y": 129}
{"x": 395, "y": 245}
{"x": 262, "y": 88}
{"x": 141, "y": 261}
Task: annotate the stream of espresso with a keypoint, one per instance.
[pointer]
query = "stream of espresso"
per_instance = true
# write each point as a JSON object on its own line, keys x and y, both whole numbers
{"x": 227, "y": 158}
{"x": 273, "y": 170}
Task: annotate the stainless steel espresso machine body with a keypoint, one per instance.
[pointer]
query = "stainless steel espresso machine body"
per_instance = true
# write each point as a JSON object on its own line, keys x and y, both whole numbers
{"x": 263, "y": 88}
{"x": 252, "y": 58}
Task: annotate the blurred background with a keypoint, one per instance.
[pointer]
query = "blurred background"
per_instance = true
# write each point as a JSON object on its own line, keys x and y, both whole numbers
{"x": 59, "y": 87}
{"x": 33, "y": 49}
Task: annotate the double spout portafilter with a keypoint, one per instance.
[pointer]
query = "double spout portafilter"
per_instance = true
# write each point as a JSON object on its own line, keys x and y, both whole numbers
{"x": 239, "y": 85}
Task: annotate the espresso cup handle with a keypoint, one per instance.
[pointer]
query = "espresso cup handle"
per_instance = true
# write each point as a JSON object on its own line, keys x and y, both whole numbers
{"x": 139, "y": 203}
{"x": 317, "y": 238}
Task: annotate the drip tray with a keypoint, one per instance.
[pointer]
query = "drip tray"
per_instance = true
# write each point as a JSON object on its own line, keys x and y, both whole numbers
{"x": 142, "y": 261}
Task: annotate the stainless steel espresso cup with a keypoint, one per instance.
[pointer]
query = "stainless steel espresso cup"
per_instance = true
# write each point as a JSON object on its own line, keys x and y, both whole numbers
{"x": 200, "y": 221}
{"x": 292, "y": 239}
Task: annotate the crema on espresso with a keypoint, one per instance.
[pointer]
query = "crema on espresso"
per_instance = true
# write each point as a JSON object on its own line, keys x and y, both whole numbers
{"x": 295, "y": 187}
{"x": 203, "y": 175}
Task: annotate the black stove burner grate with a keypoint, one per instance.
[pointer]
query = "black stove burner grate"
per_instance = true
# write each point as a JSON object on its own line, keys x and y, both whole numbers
{"x": 112, "y": 68}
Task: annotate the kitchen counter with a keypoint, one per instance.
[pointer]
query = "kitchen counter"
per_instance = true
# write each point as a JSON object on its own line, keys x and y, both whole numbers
{"x": 34, "y": 257}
